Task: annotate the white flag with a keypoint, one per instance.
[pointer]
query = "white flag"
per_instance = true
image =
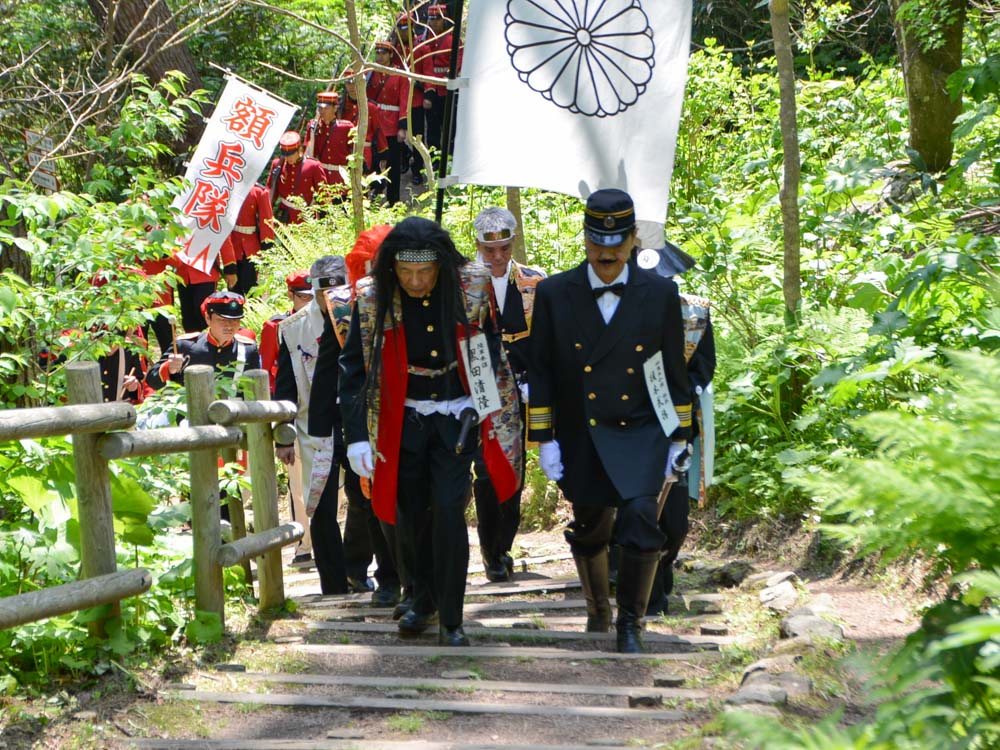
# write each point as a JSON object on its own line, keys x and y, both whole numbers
{"x": 234, "y": 149}
{"x": 574, "y": 96}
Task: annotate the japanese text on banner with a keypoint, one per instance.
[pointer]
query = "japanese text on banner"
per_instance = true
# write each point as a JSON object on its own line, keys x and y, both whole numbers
{"x": 235, "y": 148}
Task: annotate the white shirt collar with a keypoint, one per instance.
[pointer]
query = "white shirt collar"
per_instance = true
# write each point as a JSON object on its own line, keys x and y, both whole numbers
{"x": 596, "y": 282}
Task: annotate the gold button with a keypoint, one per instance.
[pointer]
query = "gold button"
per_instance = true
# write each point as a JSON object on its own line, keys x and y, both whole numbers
{"x": 624, "y": 397}
{"x": 427, "y": 303}
{"x": 578, "y": 345}
{"x": 430, "y": 328}
{"x": 587, "y": 368}
{"x": 593, "y": 423}
{"x": 434, "y": 352}
{"x": 638, "y": 347}
{"x": 105, "y": 372}
{"x": 623, "y": 423}
{"x": 591, "y": 396}
{"x": 434, "y": 395}
{"x": 630, "y": 371}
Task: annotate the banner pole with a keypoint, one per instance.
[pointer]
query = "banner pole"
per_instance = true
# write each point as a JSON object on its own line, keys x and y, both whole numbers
{"x": 449, "y": 106}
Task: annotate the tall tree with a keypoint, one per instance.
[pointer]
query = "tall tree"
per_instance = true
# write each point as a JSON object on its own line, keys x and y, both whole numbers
{"x": 929, "y": 40}
{"x": 792, "y": 282}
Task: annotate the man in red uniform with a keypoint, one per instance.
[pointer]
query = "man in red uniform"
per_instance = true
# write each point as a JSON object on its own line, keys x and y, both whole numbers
{"x": 434, "y": 59}
{"x": 410, "y": 40}
{"x": 293, "y": 175}
{"x": 349, "y": 111}
{"x": 196, "y": 285}
{"x": 300, "y": 292}
{"x": 328, "y": 139}
{"x": 252, "y": 230}
{"x": 391, "y": 93}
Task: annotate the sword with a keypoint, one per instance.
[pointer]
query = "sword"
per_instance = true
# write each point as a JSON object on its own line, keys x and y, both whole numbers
{"x": 668, "y": 482}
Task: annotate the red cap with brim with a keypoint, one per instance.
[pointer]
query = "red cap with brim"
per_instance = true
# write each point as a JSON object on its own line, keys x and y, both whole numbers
{"x": 289, "y": 142}
{"x": 298, "y": 281}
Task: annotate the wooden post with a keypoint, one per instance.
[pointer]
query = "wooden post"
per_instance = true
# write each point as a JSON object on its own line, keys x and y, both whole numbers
{"x": 237, "y": 515}
{"x": 93, "y": 486}
{"x": 199, "y": 382}
{"x": 264, "y": 480}
{"x": 514, "y": 206}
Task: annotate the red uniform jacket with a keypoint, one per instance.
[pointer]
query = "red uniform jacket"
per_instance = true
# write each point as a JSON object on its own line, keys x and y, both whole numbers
{"x": 191, "y": 275}
{"x": 350, "y": 112}
{"x": 434, "y": 59}
{"x": 253, "y": 224}
{"x": 391, "y": 94}
{"x": 269, "y": 346}
{"x": 300, "y": 179}
{"x": 331, "y": 143}
{"x": 410, "y": 60}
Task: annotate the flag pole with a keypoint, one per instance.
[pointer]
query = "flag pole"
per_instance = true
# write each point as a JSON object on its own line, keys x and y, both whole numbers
{"x": 449, "y": 106}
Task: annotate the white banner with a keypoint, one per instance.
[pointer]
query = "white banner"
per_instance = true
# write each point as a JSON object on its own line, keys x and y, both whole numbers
{"x": 573, "y": 96}
{"x": 235, "y": 148}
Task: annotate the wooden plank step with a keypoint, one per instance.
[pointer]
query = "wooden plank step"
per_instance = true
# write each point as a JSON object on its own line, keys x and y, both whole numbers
{"x": 405, "y": 704}
{"x": 487, "y": 685}
{"x": 488, "y": 652}
{"x": 367, "y": 744}
{"x": 326, "y": 607}
{"x": 527, "y": 586}
{"x": 688, "y": 641}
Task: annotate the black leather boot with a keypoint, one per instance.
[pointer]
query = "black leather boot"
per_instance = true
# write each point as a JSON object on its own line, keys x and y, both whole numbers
{"x": 636, "y": 571}
{"x": 658, "y": 601}
{"x": 593, "y": 573}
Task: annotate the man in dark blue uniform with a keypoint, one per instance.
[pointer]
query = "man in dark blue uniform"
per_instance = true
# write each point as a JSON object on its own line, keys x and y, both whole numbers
{"x": 221, "y": 346}
{"x": 610, "y": 407}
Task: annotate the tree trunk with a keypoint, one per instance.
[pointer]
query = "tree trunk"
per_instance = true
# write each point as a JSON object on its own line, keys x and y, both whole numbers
{"x": 14, "y": 259}
{"x": 144, "y": 29}
{"x": 925, "y": 72}
{"x": 514, "y": 206}
{"x": 360, "y": 90}
{"x": 792, "y": 281}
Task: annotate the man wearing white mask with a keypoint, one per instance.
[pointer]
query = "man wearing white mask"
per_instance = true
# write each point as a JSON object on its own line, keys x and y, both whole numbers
{"x": 514, "y": 289}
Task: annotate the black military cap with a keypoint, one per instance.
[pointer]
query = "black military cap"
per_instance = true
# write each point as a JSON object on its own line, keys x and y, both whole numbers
{"x": 224, "y": 304}
{"x": 609, "y": 216}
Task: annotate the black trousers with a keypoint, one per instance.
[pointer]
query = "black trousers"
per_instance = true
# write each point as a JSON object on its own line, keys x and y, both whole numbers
{"x": 363, "y": 537}
{"x": 430, "y": 513}
{"x": 393, "y": 157}
{"x": 328, "y": 547}
{"x": 191, "y": 297}
{"x": 634, "y": 525}
{"x": 246, "y": 276}
{"x": 433, "y": 120}
{"x": 497, "y": 522}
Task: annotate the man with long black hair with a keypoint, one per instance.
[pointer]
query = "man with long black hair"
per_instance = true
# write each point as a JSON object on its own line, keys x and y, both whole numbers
{"x": 422, "y": 364}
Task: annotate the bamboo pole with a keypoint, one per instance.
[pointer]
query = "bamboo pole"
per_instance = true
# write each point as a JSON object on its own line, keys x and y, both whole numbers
{"x": 93, "y": 486}
{"x": 199, "y": 382}
{"x": 233, "y": 411}
{"x": 263, "y": 479}
{"x": 71, "y": 597}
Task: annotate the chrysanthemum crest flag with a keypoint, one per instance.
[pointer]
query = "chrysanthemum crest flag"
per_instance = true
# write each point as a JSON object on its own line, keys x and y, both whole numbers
{"x": 234, "y": 149}
{"x": 573, "y": 96}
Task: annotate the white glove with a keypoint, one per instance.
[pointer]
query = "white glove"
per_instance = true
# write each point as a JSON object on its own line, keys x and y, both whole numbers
{"x": 523, "y": 387}
{"x": 676, "y": 464}
{"x": 359, "y": 455}
{"x": 550, "y": 459}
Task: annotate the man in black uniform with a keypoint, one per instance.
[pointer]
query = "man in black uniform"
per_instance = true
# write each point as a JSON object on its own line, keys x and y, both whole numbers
{"x": 221, "y": 346}
{"x": 514, "y": 291}
{"x": 699, "y": 351}
{"x": 610, "y": 407}
{"x": 408, "y": 399}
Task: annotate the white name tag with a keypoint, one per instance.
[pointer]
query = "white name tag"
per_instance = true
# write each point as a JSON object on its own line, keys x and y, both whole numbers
{"x": 659, "y": 393}
{"x": 482, "y": 382}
